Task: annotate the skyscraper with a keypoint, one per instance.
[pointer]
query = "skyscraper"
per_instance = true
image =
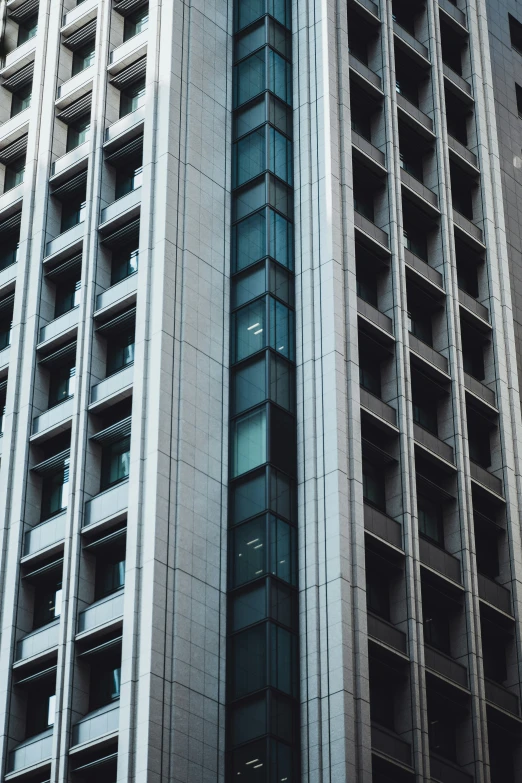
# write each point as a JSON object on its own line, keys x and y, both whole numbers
{"x": 260, "y": 414}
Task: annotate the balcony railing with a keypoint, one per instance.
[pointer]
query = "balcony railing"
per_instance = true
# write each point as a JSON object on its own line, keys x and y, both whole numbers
{"x": 427, "y": 352}
{"x": 126, "y": 125}
{"x": 124, "y": 288}
{"x": 453, "y": 11}
{"x": 130, "y": 50}
{"x": 107, "y": 505}
{"x": 66, "y": 240}
{"x": 4, "y": 357}
{"x": 377, "y": 406}
{"x": 443, "y": 771}
{"x": 387, "y": 633}
{"x": 381, "y": 525}
{"x": 421, "y": 190}
{"x": 480, "y": 390}
{"x": 461, "y": 83}
{"x": 113, "y": 385}
{"x": 59, "y": 414}
{"x": 414, "y": 112}
{"x": 125, "y": 205}
{"x": 494, "y": 594}
{"x": 372, "y": 314}
{"x": 466, "y": 225}
{"x": 66, "y": 163}
{"x": 484, "y": 477}
{"x": 390, "y": 744}
{"x": 501, "y": 697}
{"x": 45, "y": 534}
{"x": 31, "y": 752}
{"x": 412, "y": 42}
{"x": 443, "y": 664}
{"x": 371, "y": 7}
{"x": 439, "y": 560}
{"x": 60, "y": 325}
{"x": 423, "y": 268}
{"x": 370, "y": 229}
{"x": 434, "y": 444}
{"x": 102, "y": 612}
{"x": 367, "y": 147}
{"x": 19, "y": 56}
{"x": 97, "y": 724}
{"x": 76, "y": 14}
{"x": 367, "y": 74}
{"x": 463, "y": 151}
{"x": 76, "y": 86}
{"x": 475, "y": 307}
{"x": 38, "y": 641}
{"x": 9, "y": 201}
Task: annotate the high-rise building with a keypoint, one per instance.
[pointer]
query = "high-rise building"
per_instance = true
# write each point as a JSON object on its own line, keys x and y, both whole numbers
{"x": 260, "y": 371}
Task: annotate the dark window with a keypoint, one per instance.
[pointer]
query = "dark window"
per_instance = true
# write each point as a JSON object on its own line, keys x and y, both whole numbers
{"x": 5, "y": 331}
{"x": 273, "y": 759}
{"x": 40, "y": 709}
{"x": 120, "y": 352}
{"x": 416, "y": 242}
{"x": 2, "y": 412}
{"x": 442, "y": 730}
{"x": 420, "y": 324}
{"x": 79, "y": 132}
{"x": 110, "y": 570}
{"x": 105, "y": 681}
{"x": 132, "y": 98}
{"x": 115, "y": 462}
{"x": 55, "y": 490}
{"x": 518, "y": 90}
{"x": 486, "y": 547}
{"x": 68, "y": 294}
{"x": 370, "y": 373}
{"x": 136, "y": 22}
{"x": 83, "y": 58}
{"x": 254, "y": 556}
{"x": 411, "y": 162}
{"x": 124, "y": 263}
{"x": 47, "y": 602}
{"x": 374, "y": 485}
{"x": 436, "y": 626}
{"x": 382, "y": 706}
{"x": 21, "y": 99}
{"x": 263, "y": 655}
{"x": 363, "y": 201}
{"x": 467, "y": 275}
{"x": 403, "y": 14}
{"x": 377, "y": 591}
{"x": 515, "y": 32}
{"x": 357, "y": 44}
{"x": 494, "y": 656}
{"x": 27, "y": 29}
{"x": 430, "y": 519}
{"x": 425, "y": 410}
{"x": 361, "y": 120}
{"x": 406, "y": 82}
{"x": 62, "y": 384}
{"x": 473, "y": 353}
{"x": 367, "y": 283}
{"x": 73, "y": 212}
{"x": 8, "y": 252}
{"x": 14, "y": 173}
{"x": 128, "y": 179}
{"x": 479, "y": 439}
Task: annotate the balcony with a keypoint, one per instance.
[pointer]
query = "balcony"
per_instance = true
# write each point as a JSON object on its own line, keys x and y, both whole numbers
{"x": 476, "y": 309}
{"x": 378, "y": 407}
{"x": 125, "y": 129}
{"x": 365, "y": 76}
{"x": 438, "y": 560}
{"x": 485, "y": 478}
{"x": 128, "y": 52}
{"x": 121, "y": 210}
{"x": 432, "y": 443}
{"x": 414, "y": 48}
{"x": 457, "y": 84}
{"x": 97, "y": 725}
{"x": 113, "y": 389}
{"x": 371, "y": 235}
{"x": 471, "y": 231}
{"x": 78, "y": 16}
{"x": 478, "y": 389}
{"x": 443, "y": 771}
{"x": 53, "y": 421}
{"x": 371, "y": 156}
{"x": 8, "y": 278}
{"x": 38, "y": 642}
{"x": 10, "y": 201}
{"x": 455, "y": 13}
{"x": 117, "y": 297}
{"x": 383, "y": 526}
{"x": 65, "y": 243}
{"x": 17, "y": 58}
{"x": 390, "y": 744}
{"x": 464, "y": 155}
{"x": 370, "y": 9}
{"x": 386, "y": 633}
{"x": 445, "y": 666}
{"x": 425, "y": 198}
{"x": 501, "y": 697}
{"x": 14, "y": 128}
{"x": 101, "y": 613}
{"x": 110, "y": 505}
{"x": 46, "y": 536}
{"x": 494, "y": 594}
{"x": 4, "y": 360}
{"x": 414, "y": 116}
{"x": 429, "y": 276}
{"x": 370, "y": 313}
{"x": 71, "y": 163}
{"x": 74, "y": 88}
{"x": 32, "y": 752}
{"x": 61, "y": 330}
{"x": 428, "y": 353}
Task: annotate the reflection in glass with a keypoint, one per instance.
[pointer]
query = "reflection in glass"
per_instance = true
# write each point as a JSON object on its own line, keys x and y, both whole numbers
{"x": 249, "y": 442}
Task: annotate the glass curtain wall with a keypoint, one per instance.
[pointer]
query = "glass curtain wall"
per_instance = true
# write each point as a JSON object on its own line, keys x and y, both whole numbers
{"x": 263, "y": 676}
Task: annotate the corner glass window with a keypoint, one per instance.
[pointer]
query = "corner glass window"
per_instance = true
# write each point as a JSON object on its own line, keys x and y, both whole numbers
{"x": 251, "y": 332}
{"x": 249, "y": 444}
{"x": 62, "y": 385}
{"x": 124, "y": 264}
{"x": 136, "y": 22}
{"x": 83, "y": 58}
{"x": 68, "y": 295}
{"x": 264, "y": 70}
{"x": 21, "y": 99}
{"x": 55, "y": 493}
{"x": 257, "y": 763}
{"x": 132, "y": 97}
{"x": 73, "y": 213}
{"x": 255, "y": 555}
{"x": 14, "y": 174}
{"x": 120, "y": 352}
{"x": 261, "y": 234}
{"x": 115, "y": 462}
{"x": 27, "y": 29}
{"x": 78, "y": 133}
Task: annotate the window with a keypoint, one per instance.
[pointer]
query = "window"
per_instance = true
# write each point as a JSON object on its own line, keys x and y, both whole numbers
{"x": 132, "y": 98}
{"x": 79, "y": 132}
{"x": 361, "y": 120}
{"x": 363, "y": 202}
{"x": 14, "y": 173}
{"x": 110, "y": 570}
{"x": 21, "y": 99}
{"x": 62, "y": 384}
{"x": 518, "y": 90}
{"x": 249, "y": 441}
{"x": 419, "y": 323}
{"x": 442, "y": 729}
{"x": 68, "y": 293}
{"x": 55, "y": 493}
{"x": 473, "y": 353}
{"x": 515, "y": 32}
{"x": 5, "y": 332}
{"x": 128, "y": 179}
{"x": 254, "y": 555}
{"x": 41, "y": 707}
{"x": 357, "y": 45}
{"x": 47, "y": 602}
{"x": 425, "y": 413}
{"x": 8, "y": 252}
{"x": 367, "y": 284}
{"x": 494, "y": 653}
{"x": 382, "y": 708}
{"x": 373, "y": 485}
{"x": 136, "y": 22}
{"x": 115, "y": 463}
{"x": 27, "y": 29}
{"x": 2, "y": 412}
{"x": 479, "y": 439}
{"x": 486, "y": 546}
{"x": 250, "y": 383}
{"x": 263, "y": 655}
{"x": 370, "y": 373}
{"x": 411, "y": 162}
{"x": 120, "y": 352}
{"x": 73, "y": 213}
{"x": 252, "y": 77}
{"x": 436, "y": 627}
{"x": 377, "y": 592}
{"x": 261, "y": 234}
{"x": 83, "y": 58}
{"x": 105, "y": 681}
{"x": 416, "y": 243}
{"x": 403, "y": 14}
{"x": 124, "y": 263}
{"x": 430, "y": 519}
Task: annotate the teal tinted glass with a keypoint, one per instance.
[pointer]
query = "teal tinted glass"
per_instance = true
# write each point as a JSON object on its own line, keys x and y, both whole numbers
{"x": 249, "y": 385}
{"x": 281, "y": 329}
{"x": 281, "y": 240}
{"x": 280, "y": 155}
{"x": 249, "y": 607}
{"x": 250, "y": 78}
{"x": 282, "y": 558}
{"x": 249, "y": 551}
{"x": 282, "y": 381}
{"x": 249, "y": 241}
{"x": 249, "y": 157}
{"x": 249, "y": 442}
{"x": 250, "y": 329}
{"x": 249, "y": 285}
{"x": 279, "y": 76}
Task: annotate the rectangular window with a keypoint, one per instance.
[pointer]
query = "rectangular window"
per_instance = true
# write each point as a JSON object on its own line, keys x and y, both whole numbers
{"x": 47, "y": 603}
{"x": 110, "y": 571}
{"x": 14, "y": 174}
{"x": 132, "y": 97}
{"x": 127, "y": 180}
{"x": 515, "y": 32}
{"x": 9, "y": 252}
{"x": 436, "y": 627}
{"x": 106, "y": 684}
{"x": 83, "y": 58}
{"x": 136, "y": 23}
{"x": 62, "y": 385}
{"x": 378, "y": 593}
{"x": 249, "y": 438}
{"x": 5, "y": 332}
{"x": 73, "y": 213}
{"x": 425, "y": 414}
{"x": 374, "y": 485}
{"x": 27, "y": 29}
{"x": 68, "y": 294}
{"x": 430, "y": 520}
{"x": 21, "y": 99}
{"x": 55, "y": 493}
{"x": 79, "y": 133}
{"x": 124, "y": 263}
{"x": 120, "y": 352}
{"x": 518, "y": 89}
{"x": 115, "y": 463}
